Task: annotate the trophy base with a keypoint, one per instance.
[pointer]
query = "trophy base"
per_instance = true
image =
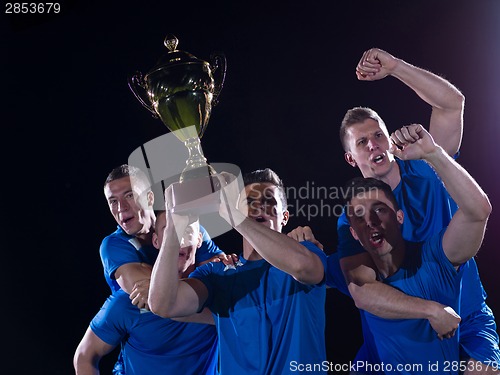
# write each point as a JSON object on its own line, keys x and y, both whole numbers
{"x": 196, "y": 196}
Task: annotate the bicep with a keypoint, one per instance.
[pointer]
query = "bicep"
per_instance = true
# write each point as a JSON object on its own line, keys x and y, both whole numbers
{"x": 191, "y": 297}
{"x": 91, "y": 349}
{"x": 462, "y": 238}
{"x": 313, "y": 274}
{"x": 446, "y": 128}
{"x": 204, "y": 317}
{"x": 358, "y": 269}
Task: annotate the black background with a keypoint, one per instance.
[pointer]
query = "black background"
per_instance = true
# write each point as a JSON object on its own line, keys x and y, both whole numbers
{"x": 68, "y": 118}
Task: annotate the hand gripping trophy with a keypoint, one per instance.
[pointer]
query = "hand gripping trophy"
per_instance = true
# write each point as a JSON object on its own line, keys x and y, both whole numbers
{"x": 181, "y": 90}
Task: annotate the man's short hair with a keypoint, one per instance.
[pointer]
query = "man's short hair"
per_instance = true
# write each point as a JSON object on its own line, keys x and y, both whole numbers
{"x": 125, "y": 170}
{"x": 354, "y": 116}
{"x": 362, "y": 185}
{"x": 266, "y": 175}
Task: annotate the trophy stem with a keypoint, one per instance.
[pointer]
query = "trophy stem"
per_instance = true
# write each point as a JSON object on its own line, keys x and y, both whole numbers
{"x": 196, "y": 165}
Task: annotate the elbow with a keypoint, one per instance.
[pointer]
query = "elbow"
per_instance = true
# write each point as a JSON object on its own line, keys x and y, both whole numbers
{"x": 461, "y": 99}
{"x": 159, "y": 307}
{"x": 83, "y": 360}
{"x": 358, "y": 296}
{"x": 76, "y": 358}
{"x": 484, "y": 209}
{"x": 479, "y": 210}
{"x": 312, "y": 274}
{"x": 457, "y": 101}
{"x": 487, "y": 208}
{"x": 161, "y": 312}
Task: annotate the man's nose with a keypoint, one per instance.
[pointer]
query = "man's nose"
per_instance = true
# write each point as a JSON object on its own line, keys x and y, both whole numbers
{"x": 372, "y": 219}
{"x": 372, "y": 144}
{"x": 122, "y": 205}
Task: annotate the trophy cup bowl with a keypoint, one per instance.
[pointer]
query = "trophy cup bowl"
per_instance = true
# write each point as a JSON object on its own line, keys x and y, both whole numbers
{"x": 181, "y": 90}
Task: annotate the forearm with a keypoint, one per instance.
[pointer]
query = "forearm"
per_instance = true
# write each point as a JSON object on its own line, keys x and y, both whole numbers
{"x": 164, "y": 281}
{"x": 389, "y": 303}
{"x": 378, "y": 298}
{"x": 470, "y": 198}
{"x": 129, "y": 274}
{"x": 282, "y": 252}
{"x": 431, "y": 88}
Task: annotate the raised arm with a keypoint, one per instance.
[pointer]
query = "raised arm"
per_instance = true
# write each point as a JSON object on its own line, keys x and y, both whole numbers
{"x": 283, "y": 252}
{"x": 465, "y": 233}
{"x": 447, "y": 102}
{"x": 170, "y": 297}
{"x": 275, "y": 247}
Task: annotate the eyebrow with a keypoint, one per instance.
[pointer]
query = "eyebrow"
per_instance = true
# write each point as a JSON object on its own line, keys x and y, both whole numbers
{"x": 124, "y": 193}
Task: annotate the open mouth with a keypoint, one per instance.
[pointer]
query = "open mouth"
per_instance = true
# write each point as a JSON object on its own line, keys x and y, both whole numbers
{"x": 260, "y": 219}
{"x": 127, "y": 220}
{"x": 378, "y": 159}
{"x": 376, "y": 238}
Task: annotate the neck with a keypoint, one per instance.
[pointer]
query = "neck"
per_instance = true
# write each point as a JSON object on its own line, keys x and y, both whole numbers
{"x": 393, "y": 177}
{"x": 388, "y": 264}
{"x": 145, "y": 238}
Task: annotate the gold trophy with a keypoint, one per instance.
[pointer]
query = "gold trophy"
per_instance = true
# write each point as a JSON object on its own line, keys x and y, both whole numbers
{"x": 181, "y": 90}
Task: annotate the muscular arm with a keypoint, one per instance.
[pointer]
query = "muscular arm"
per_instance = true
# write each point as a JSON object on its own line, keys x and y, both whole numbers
{"x": 89, "y": 353}
{"x": 464, "y": 234}
{"x": 129, "y": 274}
{"x": 382, "y": 300}
{"x": 446, "y": 122}
{"x": 277, "y": 248}
{"x": 283, "y": 252}
{"x": 447, "y": 102}
{"x": 168, "y": 296}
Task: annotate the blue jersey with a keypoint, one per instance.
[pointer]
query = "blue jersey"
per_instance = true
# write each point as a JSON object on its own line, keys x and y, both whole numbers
{"x": 428, "y": 208}
{"x": 153, "y": 345}
{"x": 119, "y": 248}
{"x": 426, "y": 273}
{"x": 268, "y": 323}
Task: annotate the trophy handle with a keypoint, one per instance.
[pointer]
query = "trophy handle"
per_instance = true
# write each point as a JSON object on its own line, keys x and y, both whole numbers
{"x": 218, "y": 60}
{"x": 137, "y": 85}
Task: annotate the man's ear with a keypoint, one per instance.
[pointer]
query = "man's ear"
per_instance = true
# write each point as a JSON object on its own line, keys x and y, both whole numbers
{"x": 400, "y": 215}
{"x": 286, "y": 216}
{"x": 151, "y": 198}
{"x": 200, "y": 240}
{"x": 349, "y": 159}
{"x": 156, "y": 243}
{"x": 354, "y": 234}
